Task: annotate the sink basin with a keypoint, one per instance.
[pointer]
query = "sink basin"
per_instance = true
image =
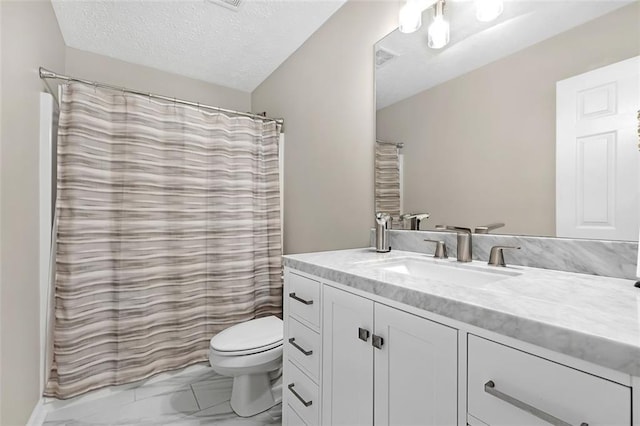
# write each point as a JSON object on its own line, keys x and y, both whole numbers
{"x": 443, "y": 270}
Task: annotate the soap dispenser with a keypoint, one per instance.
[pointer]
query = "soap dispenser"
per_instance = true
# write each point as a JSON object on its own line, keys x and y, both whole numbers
{"x": 383, "y": 220}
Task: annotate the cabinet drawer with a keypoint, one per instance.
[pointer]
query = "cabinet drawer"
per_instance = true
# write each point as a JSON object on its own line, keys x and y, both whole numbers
{"x": 303, "y": 346}
{"x": 302, "y": 395}
{"x": 304, "y": 299}
{"x": 567, "y": 394}
{"x": 291, "y": 418}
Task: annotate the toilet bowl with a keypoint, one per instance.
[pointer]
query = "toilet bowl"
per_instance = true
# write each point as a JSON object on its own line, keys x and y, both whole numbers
{"x": 251, "y": 353}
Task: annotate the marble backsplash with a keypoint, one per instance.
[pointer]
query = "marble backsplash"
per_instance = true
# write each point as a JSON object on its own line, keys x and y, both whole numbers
{"x": 605, "y": 258}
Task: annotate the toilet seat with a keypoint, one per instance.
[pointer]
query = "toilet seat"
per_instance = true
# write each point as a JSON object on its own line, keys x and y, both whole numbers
{"x": 251, "y": 337}
{"x": 250, "y": 352}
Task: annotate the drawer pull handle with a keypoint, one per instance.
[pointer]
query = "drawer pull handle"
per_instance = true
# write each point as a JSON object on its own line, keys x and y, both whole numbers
{"x": 306, "y": 302}
{"x": 490, "y": 388}
{"x": 297, "y": 395}
{"x": 292, "y": 340}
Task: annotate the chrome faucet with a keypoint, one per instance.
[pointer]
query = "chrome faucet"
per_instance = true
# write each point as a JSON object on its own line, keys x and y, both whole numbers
{"x": 464, "y": 247}
{"x": 487, "y": 228}
{"x": 415, "y": 219}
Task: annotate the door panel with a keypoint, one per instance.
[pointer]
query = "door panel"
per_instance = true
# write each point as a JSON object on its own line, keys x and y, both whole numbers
{"x": 347, "y": 373}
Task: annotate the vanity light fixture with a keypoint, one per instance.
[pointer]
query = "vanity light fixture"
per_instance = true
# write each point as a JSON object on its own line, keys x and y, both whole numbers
{"x": 488, "y": 10}
{"x": 439, "y": 28}
{"x": 410, "y": 17}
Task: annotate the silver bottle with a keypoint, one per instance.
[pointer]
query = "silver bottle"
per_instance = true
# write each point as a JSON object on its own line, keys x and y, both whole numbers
{"x": 383, "y": 221}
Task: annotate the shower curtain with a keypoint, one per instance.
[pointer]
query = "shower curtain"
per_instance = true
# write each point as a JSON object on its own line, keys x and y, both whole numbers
{"x": 168, "y": 232}
{"x": 387, "y": 180}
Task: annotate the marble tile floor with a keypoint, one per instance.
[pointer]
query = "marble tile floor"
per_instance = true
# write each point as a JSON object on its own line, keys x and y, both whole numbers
{"x": 195, "y": 395}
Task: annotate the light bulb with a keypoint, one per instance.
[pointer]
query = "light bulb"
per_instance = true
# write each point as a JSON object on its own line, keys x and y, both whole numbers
{"x": 438, "y": 33}
{"x": 439, "y": 28}
{"x": 410, "y": 17}
{"x": 488, "y": 10}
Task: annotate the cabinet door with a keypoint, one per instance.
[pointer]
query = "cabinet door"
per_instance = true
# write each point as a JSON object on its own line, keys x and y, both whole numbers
{"x": 347, "y": 360}
{"x": 415, "y": 370}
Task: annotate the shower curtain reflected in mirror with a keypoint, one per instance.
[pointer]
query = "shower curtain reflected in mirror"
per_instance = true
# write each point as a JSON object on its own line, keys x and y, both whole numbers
{"x": 168, "y": 232}
{"x": 388, "y": 180}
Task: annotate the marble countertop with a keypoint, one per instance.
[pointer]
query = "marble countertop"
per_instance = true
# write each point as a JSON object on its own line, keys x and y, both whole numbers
{"x": 589, "y": 317}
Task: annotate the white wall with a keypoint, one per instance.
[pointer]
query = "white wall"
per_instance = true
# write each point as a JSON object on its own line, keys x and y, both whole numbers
{"x": 325, "y": 92}
{"x": 108, "y": 70}
{"x": 30, "y": 38}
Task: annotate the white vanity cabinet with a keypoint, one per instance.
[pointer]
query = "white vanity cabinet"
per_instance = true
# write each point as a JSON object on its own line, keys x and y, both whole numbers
{"x": 351, "y": 359}
{"x": 379, "y": 365}
{"x": 384, "y": 366}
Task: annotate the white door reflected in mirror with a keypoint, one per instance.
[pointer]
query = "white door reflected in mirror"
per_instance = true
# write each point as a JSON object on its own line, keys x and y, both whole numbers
{"x": 597, "y": 153}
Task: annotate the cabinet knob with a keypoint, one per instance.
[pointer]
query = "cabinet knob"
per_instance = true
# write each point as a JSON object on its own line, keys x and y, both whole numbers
{"x": 377, "y": 341}
{"x": 363, "y": 334}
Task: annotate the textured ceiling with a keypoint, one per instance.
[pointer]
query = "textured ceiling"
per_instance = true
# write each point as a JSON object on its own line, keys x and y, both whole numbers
{"x": 197, "y": 39}
{"x": 473, "y": 44}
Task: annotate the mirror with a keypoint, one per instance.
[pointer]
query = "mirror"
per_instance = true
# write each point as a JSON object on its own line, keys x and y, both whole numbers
{"x": 477, "y": 120}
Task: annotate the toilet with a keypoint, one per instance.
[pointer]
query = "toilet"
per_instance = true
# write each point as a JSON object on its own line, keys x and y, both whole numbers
{"x": 251, "y": 353}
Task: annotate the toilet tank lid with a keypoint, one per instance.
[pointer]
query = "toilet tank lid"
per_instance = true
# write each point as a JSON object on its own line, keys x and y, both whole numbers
{"x": 253, "y": 334}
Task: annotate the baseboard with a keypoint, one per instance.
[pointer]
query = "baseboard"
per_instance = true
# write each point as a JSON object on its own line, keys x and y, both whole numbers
{"x": 38, "y": 414}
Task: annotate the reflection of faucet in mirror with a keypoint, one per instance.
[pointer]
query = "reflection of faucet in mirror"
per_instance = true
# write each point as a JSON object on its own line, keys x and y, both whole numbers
{"x": 488, "y": 228}
{"x": 414, "y": 220}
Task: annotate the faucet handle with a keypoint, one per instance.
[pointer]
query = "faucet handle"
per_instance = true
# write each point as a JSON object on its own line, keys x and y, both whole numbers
{"x": 496, "y": 257}
{"x": 441, "y": 249}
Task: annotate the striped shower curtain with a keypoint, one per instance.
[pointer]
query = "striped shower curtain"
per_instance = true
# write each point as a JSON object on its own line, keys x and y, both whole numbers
{"x": 387, "y": 180}
{"x": 168, "y": 232}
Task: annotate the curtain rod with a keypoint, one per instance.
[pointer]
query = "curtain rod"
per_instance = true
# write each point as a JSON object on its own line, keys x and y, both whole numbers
{"x": 398, "y": 145}
{"x": 45, "y": 74}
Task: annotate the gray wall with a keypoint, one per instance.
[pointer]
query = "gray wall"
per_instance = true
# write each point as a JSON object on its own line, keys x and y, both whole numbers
{"x": 325, "y": 93}
{"x": 30, "y": 38}
{"x": 113, "y": 71}
{"x": 499, "y": 122}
